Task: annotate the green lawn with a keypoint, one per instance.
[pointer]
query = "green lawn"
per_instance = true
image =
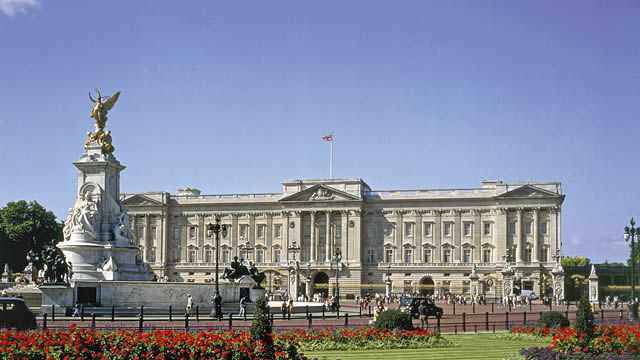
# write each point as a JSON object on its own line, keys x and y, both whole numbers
{"x": 478, "y": 346}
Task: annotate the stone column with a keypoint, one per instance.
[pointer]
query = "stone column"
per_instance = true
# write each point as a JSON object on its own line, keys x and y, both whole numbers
{"x": 327, "y": 233}
{"x": 399, "y": 233}
{"x": 357, "y": 236}
{"x": 551, "y": 229}
{"x": 251, "y": 237}
{"x": 418, "y": 236}
{"x": 437, "y": 236}
{"x": 536, "y": 231}
{"x": 457, "y": 236}
{"x": 593, "y": 287}
{"x": 285, "y": 234}
{"x": 162, "y": 256}
{"x": 344, "y": 237}
{"x": 147, "y": 237}
{"x": 500, "y": 234}
{"x": 202, "y": 233}
{"x": 519, "y": 236}
{"x": 268, "y": 239}
{"x": 313, "y": 236}
{"x": 235, "y": 235}
{"x": 477, "y": 233}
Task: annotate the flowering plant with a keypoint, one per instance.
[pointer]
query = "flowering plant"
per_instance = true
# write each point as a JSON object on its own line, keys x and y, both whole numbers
{"x": 88, "y": 344}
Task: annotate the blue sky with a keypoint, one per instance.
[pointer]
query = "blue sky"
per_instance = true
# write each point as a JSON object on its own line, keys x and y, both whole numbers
{"x": 234, "y": 97}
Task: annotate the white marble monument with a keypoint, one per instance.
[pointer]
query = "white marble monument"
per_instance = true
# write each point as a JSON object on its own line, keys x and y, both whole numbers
{"x": 98, "y": 239}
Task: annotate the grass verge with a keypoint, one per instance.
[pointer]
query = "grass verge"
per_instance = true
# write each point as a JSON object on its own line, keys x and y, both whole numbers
{"x": 476, "y": 346}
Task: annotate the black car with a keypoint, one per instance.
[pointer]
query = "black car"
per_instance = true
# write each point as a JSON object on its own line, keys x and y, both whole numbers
{"x": 15, "y": 314}
{"x": 410, "y": 305}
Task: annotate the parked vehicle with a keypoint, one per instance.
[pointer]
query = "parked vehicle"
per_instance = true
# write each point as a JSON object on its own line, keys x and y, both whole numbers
{"x": 410, "y": 305}
{"x": 15, "y": 314}
{"x": 530, "y": 294}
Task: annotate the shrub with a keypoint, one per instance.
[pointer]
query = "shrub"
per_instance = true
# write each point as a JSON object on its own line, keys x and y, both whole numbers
{"x": 553, "y": 320}
{"x": 393, "y": 320}
{"x": 260, "y": 331}
{"x": 585, "y": 323}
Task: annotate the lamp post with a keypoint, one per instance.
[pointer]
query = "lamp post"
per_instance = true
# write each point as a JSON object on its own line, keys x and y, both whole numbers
{"x": 337, "y": 256}
{"x": 246, "y": 248}
{"x": 211, "y": 229}
{"x": 293, "y": 248}
{"x": 633, "y": 234}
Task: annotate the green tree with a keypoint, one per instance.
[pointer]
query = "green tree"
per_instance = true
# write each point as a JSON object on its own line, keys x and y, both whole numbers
{"x": 25, "y": 226}
{"x": 260, "y": 330}
{"x": 585, "y": 322}
{"x": 575, "y": 261}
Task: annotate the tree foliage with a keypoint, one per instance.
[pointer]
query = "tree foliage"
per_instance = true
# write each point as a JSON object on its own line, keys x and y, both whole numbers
{"x": 575, "y": 261}
{"x": 585, "y": 322}
{"x": 261, "y": 330}
{"x": 26, "y": 226}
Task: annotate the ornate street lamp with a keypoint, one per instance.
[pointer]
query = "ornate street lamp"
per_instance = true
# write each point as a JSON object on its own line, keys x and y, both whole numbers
{"x": 211, "y": 229}
{"x": 633, "y": 234}
{"x": 337, "y": 256}
{"x": 246, "y": 249}
{"x": 293, "y": 248}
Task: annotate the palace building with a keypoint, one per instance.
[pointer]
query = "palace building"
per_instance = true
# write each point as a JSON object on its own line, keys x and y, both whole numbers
{"x": 423, "y": 241}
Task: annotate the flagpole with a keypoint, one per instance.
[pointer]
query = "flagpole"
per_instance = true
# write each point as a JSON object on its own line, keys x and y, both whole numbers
{"x": 331, "y": 161}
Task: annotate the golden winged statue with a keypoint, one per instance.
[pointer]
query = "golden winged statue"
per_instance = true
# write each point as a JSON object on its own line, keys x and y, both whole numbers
{"x": 100, "y": 109}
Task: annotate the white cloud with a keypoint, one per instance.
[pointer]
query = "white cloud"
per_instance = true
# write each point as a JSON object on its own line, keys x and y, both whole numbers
{"x": 12, "y": 7}
{"x": 575, "y": 241}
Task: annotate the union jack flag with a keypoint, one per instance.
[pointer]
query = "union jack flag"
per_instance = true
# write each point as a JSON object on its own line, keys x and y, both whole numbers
{"x": 328, "y": 137}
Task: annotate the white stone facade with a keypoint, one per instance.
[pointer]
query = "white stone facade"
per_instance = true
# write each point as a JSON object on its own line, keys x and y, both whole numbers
{"x": 427, "y": 240}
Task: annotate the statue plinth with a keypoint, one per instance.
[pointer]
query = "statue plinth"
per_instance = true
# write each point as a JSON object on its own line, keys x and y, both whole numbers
{"x": 98, "y": 238}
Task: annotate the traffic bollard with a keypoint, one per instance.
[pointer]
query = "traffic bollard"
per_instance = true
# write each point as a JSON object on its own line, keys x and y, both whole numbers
{"x": 93, "y": 320}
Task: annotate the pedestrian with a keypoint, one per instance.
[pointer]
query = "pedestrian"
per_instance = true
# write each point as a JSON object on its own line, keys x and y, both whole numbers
{"x": 76, "y": 310}
{"x": 422, "y": 310}
{"x": 243, "y": 306}
{"x": 189, "y": 304}
{"x": 4, "y": 293}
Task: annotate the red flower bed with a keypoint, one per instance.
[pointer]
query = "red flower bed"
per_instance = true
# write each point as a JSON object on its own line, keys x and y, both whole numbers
{"x": 609, "y": 338}
{"x": 87, "y": 344}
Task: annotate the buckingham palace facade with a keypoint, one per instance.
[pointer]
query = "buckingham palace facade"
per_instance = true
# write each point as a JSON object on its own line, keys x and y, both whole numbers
{"x": 425, "y": 241}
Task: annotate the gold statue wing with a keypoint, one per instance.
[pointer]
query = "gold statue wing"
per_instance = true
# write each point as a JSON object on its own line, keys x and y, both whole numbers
{"x": 107, "y": 105}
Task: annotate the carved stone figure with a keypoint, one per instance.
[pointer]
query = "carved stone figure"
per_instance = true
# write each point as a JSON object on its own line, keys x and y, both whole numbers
{"x": 68, "y": 223}
{"x": 322, "y": 194}
{"x": 122, "y": 230}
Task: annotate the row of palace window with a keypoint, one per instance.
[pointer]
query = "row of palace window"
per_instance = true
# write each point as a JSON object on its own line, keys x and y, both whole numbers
{"x": 226, "y": 256}
{"x": 193, "y": 232}
{"x": 447, "y": 229}
{"x": 427, "y": 255}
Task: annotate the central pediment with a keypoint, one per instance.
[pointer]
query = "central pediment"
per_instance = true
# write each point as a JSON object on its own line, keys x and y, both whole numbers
{"x": 140, "y": 200}
{"x": 528, "y": 191}
{"x": 320, "y": 193}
